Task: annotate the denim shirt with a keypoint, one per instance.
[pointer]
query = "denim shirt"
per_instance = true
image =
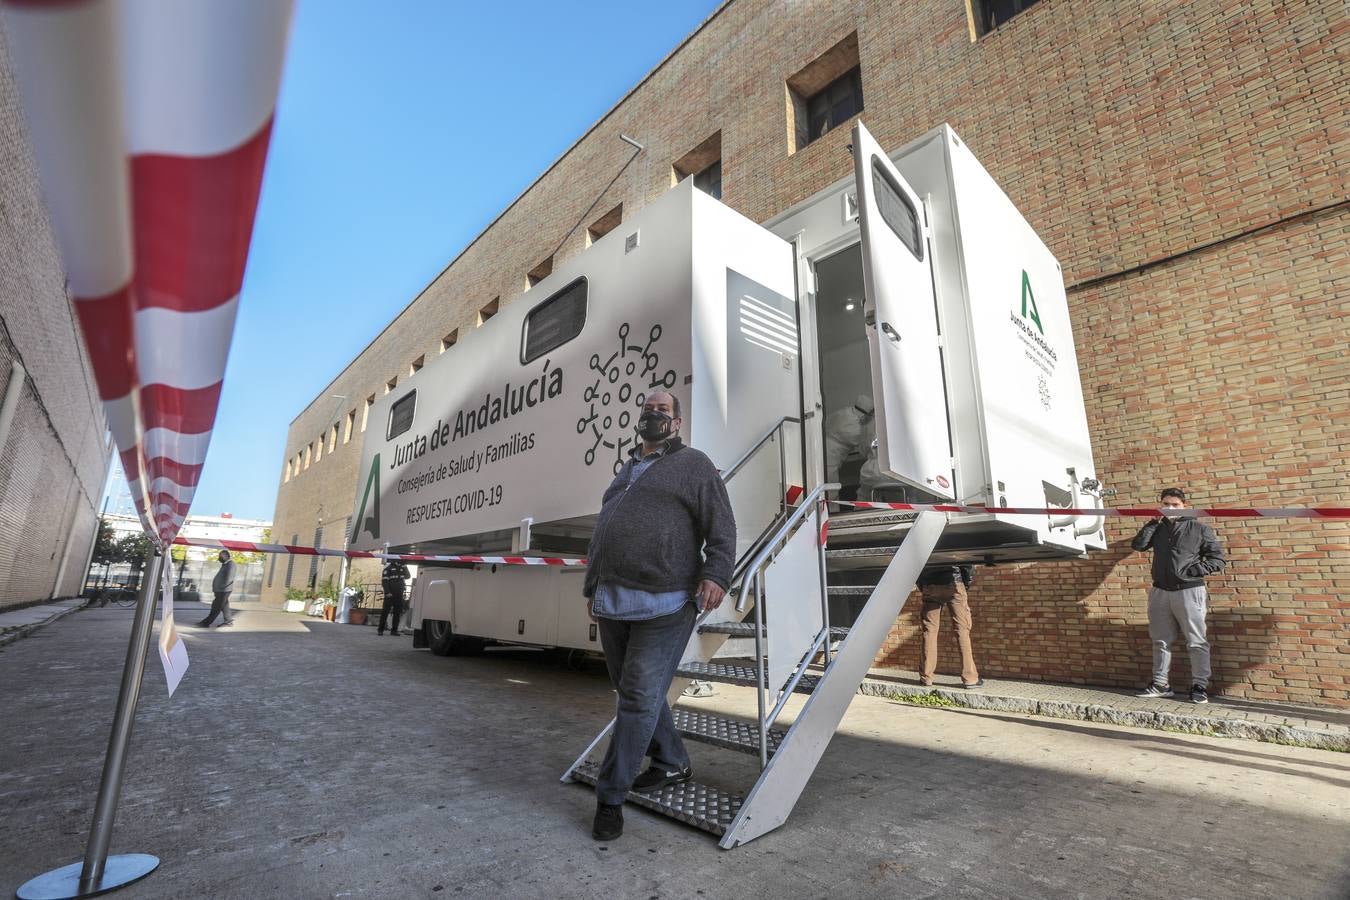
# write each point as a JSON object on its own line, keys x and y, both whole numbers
{"x": 615, "y": 601}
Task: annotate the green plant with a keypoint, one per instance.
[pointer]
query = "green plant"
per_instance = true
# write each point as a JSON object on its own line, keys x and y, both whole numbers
{"x": 295, "y": 593}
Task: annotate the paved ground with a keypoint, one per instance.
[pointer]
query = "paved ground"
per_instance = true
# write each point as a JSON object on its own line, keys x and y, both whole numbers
{"x": 302, "y": 759}
{"x": 18, "y": 623}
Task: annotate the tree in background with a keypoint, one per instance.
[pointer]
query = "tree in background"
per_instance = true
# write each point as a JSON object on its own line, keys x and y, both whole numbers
{"x": 133, "y": 550}
{"x": 179, "y": 554}
{"x": 105, "y": 550}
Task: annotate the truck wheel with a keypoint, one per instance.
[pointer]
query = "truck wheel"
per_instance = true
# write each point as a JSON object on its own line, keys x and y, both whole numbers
{"x": 443, "y": 641}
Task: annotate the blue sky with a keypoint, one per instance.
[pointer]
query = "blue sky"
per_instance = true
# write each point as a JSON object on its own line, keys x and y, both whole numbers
{"x": 402, "y": 130}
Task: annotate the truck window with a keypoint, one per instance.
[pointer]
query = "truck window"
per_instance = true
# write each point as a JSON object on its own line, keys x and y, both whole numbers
{"x": 401, "y": 415}
{"x": 895, "y": 208}
{"x": 554, "y": 322}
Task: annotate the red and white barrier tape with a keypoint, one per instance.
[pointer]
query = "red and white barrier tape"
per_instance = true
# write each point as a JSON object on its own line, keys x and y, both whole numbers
{"x": 150, "y": 123}
{"x": 1138, "y": 512}
{"x": 250, "y": 547}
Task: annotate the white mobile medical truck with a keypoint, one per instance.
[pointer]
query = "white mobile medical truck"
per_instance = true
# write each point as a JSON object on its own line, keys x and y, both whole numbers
{"x": 916, "y": 282}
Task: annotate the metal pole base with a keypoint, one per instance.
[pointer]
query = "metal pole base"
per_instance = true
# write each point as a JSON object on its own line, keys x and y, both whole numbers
{"x": 64, "y": 883}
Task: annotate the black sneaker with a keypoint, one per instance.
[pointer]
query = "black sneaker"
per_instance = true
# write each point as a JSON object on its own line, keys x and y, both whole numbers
{"x": 1199, "y": 694}
{"x": 657, "y": 777}
{"x": 1156, "y": 690}
{"x": 202, "y": 624}
{"x": 608, "y": 822}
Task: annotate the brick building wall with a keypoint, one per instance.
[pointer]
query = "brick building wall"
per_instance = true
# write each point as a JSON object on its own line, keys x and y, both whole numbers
{"x": 55, "y": 459}
{"x": 1175, "y": 157}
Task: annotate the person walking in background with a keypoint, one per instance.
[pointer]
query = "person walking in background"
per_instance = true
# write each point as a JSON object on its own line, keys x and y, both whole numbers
{"x": 945, "y": 586}
{"x": 394, "y": 581}
{"x": 221, "y": 586}
{"x": 1185, "y": 551}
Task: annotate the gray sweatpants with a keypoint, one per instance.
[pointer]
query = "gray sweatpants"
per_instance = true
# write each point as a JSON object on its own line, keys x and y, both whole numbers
{"x": 1178, "y": 613}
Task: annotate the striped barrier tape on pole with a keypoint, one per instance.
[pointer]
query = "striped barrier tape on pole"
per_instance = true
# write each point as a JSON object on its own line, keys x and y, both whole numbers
{"x": 250, "y": 547}
{"x": 1138, "y": 512}
{"x": 150, "y": 124}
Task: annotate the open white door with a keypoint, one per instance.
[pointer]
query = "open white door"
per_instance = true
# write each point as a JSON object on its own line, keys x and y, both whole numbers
{"x": 911, "y": 406}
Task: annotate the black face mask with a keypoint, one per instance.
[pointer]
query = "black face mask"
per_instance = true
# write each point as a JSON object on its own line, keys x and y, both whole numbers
{"x": 654, "y": 426}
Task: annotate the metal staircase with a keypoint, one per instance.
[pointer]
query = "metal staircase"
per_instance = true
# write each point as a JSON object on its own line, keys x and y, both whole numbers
{"x": 781, "y": 602}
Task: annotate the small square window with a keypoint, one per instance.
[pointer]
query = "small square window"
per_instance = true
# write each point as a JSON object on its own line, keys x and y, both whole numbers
{"x": 401, "y": 415}
{"x": 391, "y": 384}
{"x": 539, "y": 272}
{"x": 704, "y": 165}
{"x": 825, "y": 94}
{"x": 554, "y": 322}
{"x": 986, "y": 15}
{"x": 417, "y": 365}
{"x": 365, "y": 412}
{"x": 489, "y": 310}
{"x": 449, "y": 340}
{"x": 897, "y": 210}
{"x": 604, "y": 225}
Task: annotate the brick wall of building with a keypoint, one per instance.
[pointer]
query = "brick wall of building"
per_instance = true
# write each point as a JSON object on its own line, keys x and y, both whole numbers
{"x": 1131, "y": 136}
{"x": 54, "y": 460}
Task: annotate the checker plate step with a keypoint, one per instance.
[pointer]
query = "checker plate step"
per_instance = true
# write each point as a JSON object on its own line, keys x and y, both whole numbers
{"x": 701, "y": 805}
{"x": 861, "y": 552}
{"x": 850, "y": 590}
{"x": 733, "y": 674}
{"x": 733, "y": 734}
{"x": 747, "y": 629}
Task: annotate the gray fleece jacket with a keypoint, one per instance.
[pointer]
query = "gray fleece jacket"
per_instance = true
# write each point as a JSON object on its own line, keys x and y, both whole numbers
{"x": 668, "y": 531}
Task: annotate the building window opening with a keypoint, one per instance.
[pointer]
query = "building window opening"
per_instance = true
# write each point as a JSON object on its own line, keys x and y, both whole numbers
{"x": 449, "y": 340}
{"x": 986, "y": 15}
{"x": 365, "y": 412}
{"x": 554, "y": 322}
{"x": 332, "y": 437}
{"x": 825, "y": 94}
{"x": 391, "y": 384}
{"x": 539, "y": 272}
{"x": 349, "y": 427}
{"x": 417, "y": 365}
{"x": 704, "y": 165}
{"x": 604, "y": 225}
{"x": 318, "y": 449}
{"x": 489, "y": 311}
{"x": 896, "y": 210}
{"x": 290, "y": 560}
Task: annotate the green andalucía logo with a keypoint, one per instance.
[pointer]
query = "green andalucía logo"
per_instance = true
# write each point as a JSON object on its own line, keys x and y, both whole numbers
{"x": 1029, "y": 303}
{"x": 371, "y": 524}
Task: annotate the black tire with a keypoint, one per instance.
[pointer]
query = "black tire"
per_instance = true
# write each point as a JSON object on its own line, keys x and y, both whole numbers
{"x": 442, "y": 640}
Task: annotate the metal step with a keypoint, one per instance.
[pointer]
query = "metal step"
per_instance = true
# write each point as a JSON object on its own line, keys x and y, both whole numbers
{"x": 747, "y": 629}
{"x": 728, "y": 673}
{"x": 861, "y": 552}
{"x": 732, "y": 734}
{"x": 701, "y": 805}
{"x": 850, "y": 590}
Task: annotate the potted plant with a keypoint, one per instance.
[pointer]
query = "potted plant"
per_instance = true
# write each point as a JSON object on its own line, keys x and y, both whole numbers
{"x": 357, "y": 614}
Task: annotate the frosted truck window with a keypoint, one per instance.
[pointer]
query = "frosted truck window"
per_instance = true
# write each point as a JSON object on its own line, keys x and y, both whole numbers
{"x": 896, "y": 210}
{"x": 554, "y": 322}
{"x": 401, "y": 415}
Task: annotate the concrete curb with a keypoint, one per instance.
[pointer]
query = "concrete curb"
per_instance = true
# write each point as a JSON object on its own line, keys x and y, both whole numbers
{"x": 1212, "y": 726}
{"x": 11, "y": 635}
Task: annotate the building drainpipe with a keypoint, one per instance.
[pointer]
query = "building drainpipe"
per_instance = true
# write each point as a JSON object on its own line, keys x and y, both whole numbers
{"x": 17, "y": 375}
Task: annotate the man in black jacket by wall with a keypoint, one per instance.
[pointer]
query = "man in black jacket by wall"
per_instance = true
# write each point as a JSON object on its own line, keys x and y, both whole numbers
{"x": 945, "y": 586}
{"x": 1185, "y": 550}
{"x": 664, "y": 547}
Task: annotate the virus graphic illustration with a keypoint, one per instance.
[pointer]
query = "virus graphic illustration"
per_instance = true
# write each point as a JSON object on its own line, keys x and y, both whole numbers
{"x": 620, "y": 389}
{"x": 1045, "y": 391}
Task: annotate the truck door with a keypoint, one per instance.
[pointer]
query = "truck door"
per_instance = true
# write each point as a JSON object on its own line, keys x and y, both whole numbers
{"x": 900, "y": 310}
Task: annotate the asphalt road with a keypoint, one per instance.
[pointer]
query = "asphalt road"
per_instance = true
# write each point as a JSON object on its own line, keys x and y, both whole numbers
{"x": 303, "y": 759}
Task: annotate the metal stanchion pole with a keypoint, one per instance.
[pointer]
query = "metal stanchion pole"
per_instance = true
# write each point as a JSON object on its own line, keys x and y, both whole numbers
{"x": 99, "y": 873}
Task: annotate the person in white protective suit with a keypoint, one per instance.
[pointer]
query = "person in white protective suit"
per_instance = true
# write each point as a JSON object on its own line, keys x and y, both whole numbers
{"x": 848, "y": 433}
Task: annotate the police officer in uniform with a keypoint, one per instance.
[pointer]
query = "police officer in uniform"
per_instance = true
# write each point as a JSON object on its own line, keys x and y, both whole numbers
{"x": 393, "y": 580}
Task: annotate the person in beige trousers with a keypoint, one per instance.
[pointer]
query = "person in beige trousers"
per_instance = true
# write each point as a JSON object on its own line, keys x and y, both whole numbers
{"x": 945, "y": 586}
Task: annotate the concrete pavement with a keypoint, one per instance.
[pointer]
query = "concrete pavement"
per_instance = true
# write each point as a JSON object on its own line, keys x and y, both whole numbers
{"x": 303, "y": 759}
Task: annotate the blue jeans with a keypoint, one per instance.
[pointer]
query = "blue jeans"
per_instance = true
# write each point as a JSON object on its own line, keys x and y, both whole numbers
{"x": 642, "y": 657}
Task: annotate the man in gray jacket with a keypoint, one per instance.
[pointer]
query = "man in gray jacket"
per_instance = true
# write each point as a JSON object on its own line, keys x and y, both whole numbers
{"x": 664, "y": 547}
{"x": 221, "y": 586}
{"x": 1185, "y": 550}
